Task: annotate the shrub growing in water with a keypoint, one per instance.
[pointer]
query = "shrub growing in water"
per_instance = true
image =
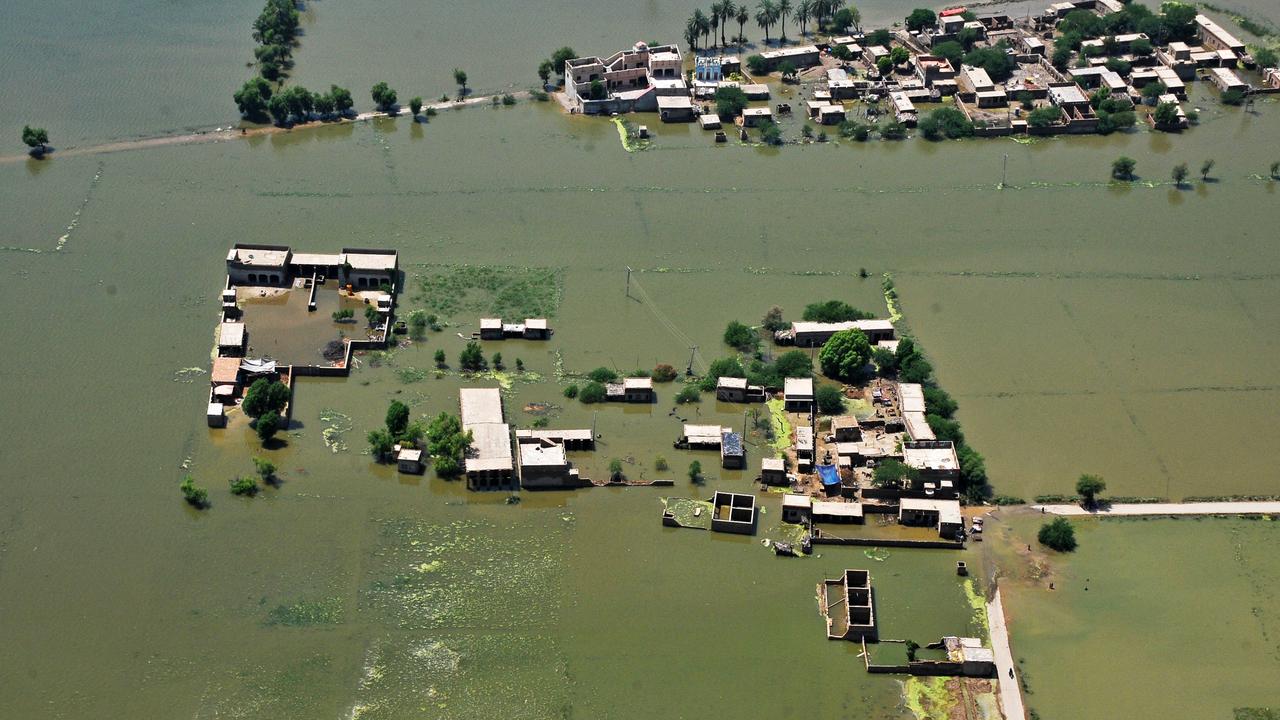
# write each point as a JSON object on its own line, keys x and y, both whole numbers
{"x": 195, "y": 495}
{"x": 244, "y": 486}
{"x": 689, "y": 394}
{"x": 592, "y": 392}
{"x": 1058, "y": 534}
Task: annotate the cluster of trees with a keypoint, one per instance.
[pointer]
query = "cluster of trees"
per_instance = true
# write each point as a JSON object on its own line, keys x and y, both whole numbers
{"x": 1058, "y": 534}
{"x": 889, "y": 129}
{"x": 257, "y": 100}
{"x": 35, "y": 138}
{"x": 384, "y": 97}
{"x": 793, "y": 363}
{"x": 845, "y": 355}
{"x": 264, "y": 402}
{"x": 275, "y": 31}
{"x": 708, "y": 28}
{"x": 1114, "y": 113}
{"x": 1044, "y": 116}
{"x": 834, "y": 311}
{"x": 998, "y": 63}
{"x": 945, "y": 122}
{"x": 472, "y": 357}
{"x": 397, "y": 429}
{"x": 447, "y": 443}
{"x": 741, "y": 337}
{"x": 554, "y": 65}
{"x": 1176, "y": 21}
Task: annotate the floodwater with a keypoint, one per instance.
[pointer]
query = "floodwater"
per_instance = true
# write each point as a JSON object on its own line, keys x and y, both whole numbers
{"x": 1083, "y": 328}
{"x": 1151, "y": 618}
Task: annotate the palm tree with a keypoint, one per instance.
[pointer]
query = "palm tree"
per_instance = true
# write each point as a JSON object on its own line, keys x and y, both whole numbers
{"x": 700, "y": 19}
{"x": 744, "y": 15}
{"x": 766, "y": 12}
{"x": 784, "y": 10}
{"x": 691, "y": 33}
{"x": 803, "y": 11}
{"x": 856, "y": 14}
{"x": 715, "y": 20}
{"x": 727, "y": 11}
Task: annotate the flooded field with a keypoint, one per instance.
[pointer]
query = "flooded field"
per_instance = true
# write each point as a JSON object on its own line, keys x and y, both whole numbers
{"x": 1082, "y": 327}
{"x": 1151, "y": 618}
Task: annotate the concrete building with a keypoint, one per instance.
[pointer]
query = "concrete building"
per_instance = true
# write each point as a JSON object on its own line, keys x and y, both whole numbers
{"x": 801, "y": 56}
{"x": 489, "y": 463}
{"x": 1214, "y": 37}
{"x": 796, "y": 509}
{"x": 631, "y": 390}
{"x": 756, "y": 116}
{"x": 904, "y": 111}
{"x": 773, "y": 471}
{"x": 733, "y": 454}
{"x": 277, "y": 265}
{"x": 675, "y": 108}
{"x": 844, "y": 513}
{"x": 733, "y": 513}
{"x": 1226, "y": 80}
{"x": 848, "y": 602}
{"x": 216, "y": 416}
{"x": 935, "y": 459}
{"x": 797, "y": 394}
{"x": 731, "y": 389}
{"x": 544, "y": 463}
{"x": 259, "y": 265}
{"x": 813, "y": 334}
{"x": 975, "y": 659}
{"x": 845, "y": 428}
{"x": 530, "y": 329}
{"x": 832, "y": 114}
{"x": 409, "y": 460}
{"x": 702, "y": 437}
{"x": 803, "y": 444}
{"x": 232, "y": 339}
{"x": 944, "y": 515}
{"x": 931, "y": 69}
{"x": 631, "y": 80}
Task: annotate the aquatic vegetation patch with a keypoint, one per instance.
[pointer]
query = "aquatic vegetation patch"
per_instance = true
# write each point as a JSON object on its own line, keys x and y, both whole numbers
{"x": 493, "y": 290}
{"x": 336, "y": 425}
{"x": 1248, "y": 713}
{"x": 409, "y": 375}
{"x": 188, "y": 375}
{"x": 978, "y": 604}
{"x": 302, "y": 613}
{"x": 928, "y": 698}
{"x": 781, "y": 426}
{"x": 631, "y": 141}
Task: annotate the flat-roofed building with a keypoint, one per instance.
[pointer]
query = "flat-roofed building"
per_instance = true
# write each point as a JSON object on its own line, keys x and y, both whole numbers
{"x": 733, "y": 454}
{"x": 934, "y": 459}
{"x": 1213, "y": 36}
{"x": 944, "y": 515}
{"x": 628, "y": 80}
{"x": 732, "y": 389}
{"x": 797, "y": 394}
{"x": 489, "y": 463}
{"x": 803, "y": 443}
{"x": 773, "y": 471}
{"x": 675, "y": 108}
{"x": 756, "y": 116}
{"x": 831, "y": 114}
{"x": 796, "y": 508}
{"x": 813, "y": 334}
{"x": 834, "y": 511}
{"x": 918, "y": 426}
{"x": 801, "y": 56}
{"x": 1227, "y": 80}
{"x": 702, "y": 437}
{"x": 631, "y": 390}
{"x": 845, "y": 428}
{"x": 409, "y": 460}
{"x": 258, "y": 265}
{"x": 545, "y": 464}
{"x": 232, "y": 339}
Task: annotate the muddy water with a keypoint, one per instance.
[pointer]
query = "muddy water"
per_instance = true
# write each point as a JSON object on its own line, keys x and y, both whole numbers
{"x": 1163, "y": 617}
{"x": 1083, "y": 328}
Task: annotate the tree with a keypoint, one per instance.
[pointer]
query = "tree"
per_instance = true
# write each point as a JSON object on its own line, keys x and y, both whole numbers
{"x": 879, "y": 37}
{"x": 571, "y": 392}
{"x": 397, "y": 418}
{"x": 773, "y": 321}
{"x": 884, "y": 65}
{"x": 195, "y": 495}
{"x": 834, "y": 311}
{"x": 496, "y": 361}
{"x": 946, "y": 122}
{"x": 267, "y": 426}
{"x": 1233, "y": 97}
{"x": 844, "y": 18}
{"x": 920, "y": 19}
{"x": 788, "y": 71}
{"x": 1179, "y": 174}
{"x": 560, "y": 57}
{"x": 899, "y": 55}
{"x": 371, "y": 315}
{"x": 691, "y": 33}
{"x": 35, "y": 138}
{"x": 602, "y": 375}
{"x": 695, "y": 472}
{"x": 278, "y": 106}
{"x": 1089, "y": 487}
{"x": 1122, "y": 168}
{"x": 740, "y": 336}
{"x": 662, "y": 372}
{"x": 885, "y": 361}
{"x": 891, "y": 473}
{"x": 460, "y": 79}
{"x": 730, "y": 101}
{"x": 842, "y": 53}
{"x": 592, "y": 392}
{"x": 439, "y": 358}
{"x": 743, "y": 16}
{"x": 939, "y": 402}
{"x": 766, "y": 15}
{"x": 415, "y": 106}
{"x": 1275, "y": 170}
{"x": 545, "y": 68}
{"x": 998, "y": 63}
{"x": 950, "y": 51}
{"x": 597, "y": 91}
{"x": 804, "y": 11}
{"x": 830, "y": 400}
{"x": 794, "y": 364}
{"x": 472, "y": 357}
{"x": 1266, "y": 57}
{"x": 770, "y": 133}
{"x": 324, "y": 105}
{"x": 660, "y": 464}
{"x": 615, "y": 470}
{"x": 266, "y": 469}
{"x": 892, "y": 130}
{"x": 252, "y": 98}
{"x": 383, "y": 97}
{"x": 1044, "y": 116}
{"x": 1058, "y": 534}
{"x": 944, "y": 428}
{"x": 757, "y": 65}
{"x": 689, "y": 394}
{"x": 342, "y": 102}
{"x": 244, "y": 486}
{"x": 1206, "y": 167}
{"x": 447, "y": 443}
{"x": 844, "y": 355}
{"x": 265, "y": 396}
{"x": 1166, "y": 115}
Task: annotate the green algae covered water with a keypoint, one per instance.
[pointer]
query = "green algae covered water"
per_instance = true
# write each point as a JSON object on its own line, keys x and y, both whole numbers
{"x": 1082, "y": 327}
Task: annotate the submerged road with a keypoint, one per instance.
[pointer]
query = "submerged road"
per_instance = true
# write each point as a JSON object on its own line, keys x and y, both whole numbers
{"x": 1192, "y": 508}
{"x": 1010, "y": 687}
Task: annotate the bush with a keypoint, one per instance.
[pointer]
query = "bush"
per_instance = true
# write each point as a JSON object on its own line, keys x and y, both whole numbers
{"x": 1166, "y": 114}
{"x": 1058, "y": 534}
{"x": 890, "y": 473}
{"x": 663, "y": 373}
{"x": 615, "y": 470}
{"x": 1007, "y": 500}
{"x": 266, "y": 469}
{"x": 689, "y": 394}
{"x": 893, "y": 130}
{"x": 1233, "y": 97}
{"x": 830, "y": 400}
{"x": 756, "y": 65}
{"x": 794, "y": 364}
{"x": 939, "y": 402}
{"x": 771, "y": 134}
{"x": 1044, "y": 117}
{"x": 854, "y": 129}
{"x": 244, "y": 486}
{"x": 397, "y": 419}
{"x": 592, "y": 392}
{"x": 195, "y": 495}
{"x": 660, "y": 464}
{"x": 740, "y": 336}
{"x": 508, "y": 99}
{"x": 571, "y": 392}
{"x": 695, "y": 471}
{"x": 879, "y": 37}
{"x": 602, "y": 375}
{"x": 834, "y": 311}
{"x": 381, "y": 443}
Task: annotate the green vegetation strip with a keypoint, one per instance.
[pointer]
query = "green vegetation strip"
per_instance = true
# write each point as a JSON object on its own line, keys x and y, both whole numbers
{"x": 928, "y": 699}
{"x": 509, "y": 292}
{"x": 322, "y": 612}
{"x": 979, "y": 606}
{"x": 781, "y": 426}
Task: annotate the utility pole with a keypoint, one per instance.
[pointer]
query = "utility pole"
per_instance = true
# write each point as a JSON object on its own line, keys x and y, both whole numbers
{"x": 594, "y": 415}
{"x": 628, "y": 281}
{"x": 688, "y": 371}
{"x": 1004, "y": 174}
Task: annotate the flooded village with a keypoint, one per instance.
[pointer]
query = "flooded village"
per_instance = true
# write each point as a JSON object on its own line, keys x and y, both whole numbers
{"x": 449, "y": 406}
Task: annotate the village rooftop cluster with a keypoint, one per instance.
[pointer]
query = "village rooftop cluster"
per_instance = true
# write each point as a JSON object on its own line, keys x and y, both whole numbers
{"x": 1055, "y": 72}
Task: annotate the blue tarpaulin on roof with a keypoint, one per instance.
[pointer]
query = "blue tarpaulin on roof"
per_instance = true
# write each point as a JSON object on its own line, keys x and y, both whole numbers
{"x": 828, "y": 474}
